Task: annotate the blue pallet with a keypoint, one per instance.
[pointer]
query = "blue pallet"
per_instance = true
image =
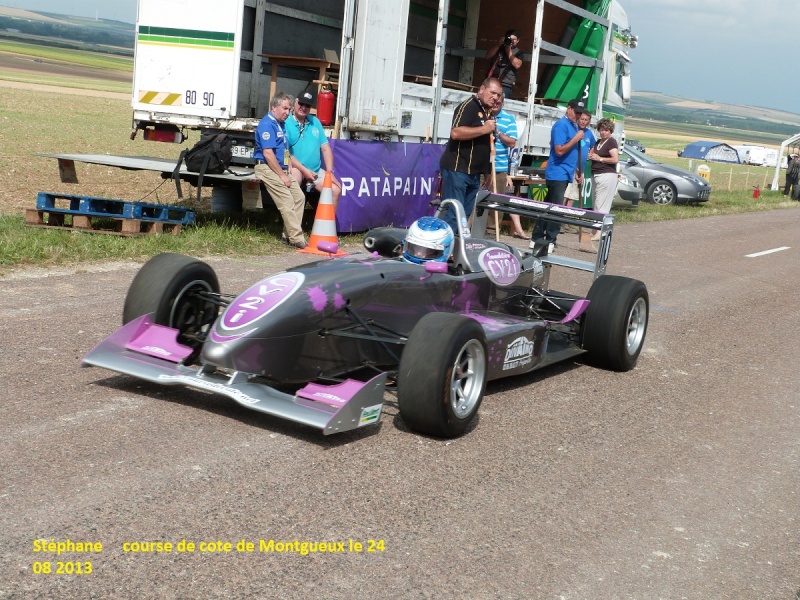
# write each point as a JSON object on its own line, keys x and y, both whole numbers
{"x": 119, "y": 209}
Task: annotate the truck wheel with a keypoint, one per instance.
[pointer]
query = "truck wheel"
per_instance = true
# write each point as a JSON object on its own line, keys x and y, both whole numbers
{"x": 615, "y": 323}
{"x": 442, "y": 375}
{"x": 662, "y": 192}
{"x": 176, "y": 290}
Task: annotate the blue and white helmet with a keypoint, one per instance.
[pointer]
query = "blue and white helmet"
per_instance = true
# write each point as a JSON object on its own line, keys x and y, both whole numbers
{"x": 428, "y": 239}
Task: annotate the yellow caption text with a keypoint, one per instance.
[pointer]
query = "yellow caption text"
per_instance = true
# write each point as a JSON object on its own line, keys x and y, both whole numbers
{"x": 249, "y": 546}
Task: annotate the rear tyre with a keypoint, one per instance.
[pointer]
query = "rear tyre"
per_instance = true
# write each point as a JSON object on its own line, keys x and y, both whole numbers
{"x": 615, "y": 323}
{"x": 442, "y": 375}
{"x": 175, "y": 289}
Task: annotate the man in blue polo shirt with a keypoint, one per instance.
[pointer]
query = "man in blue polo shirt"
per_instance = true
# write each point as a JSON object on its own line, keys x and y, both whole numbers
{"x": 565, "y": 139}
{"x": 272, "y": 167}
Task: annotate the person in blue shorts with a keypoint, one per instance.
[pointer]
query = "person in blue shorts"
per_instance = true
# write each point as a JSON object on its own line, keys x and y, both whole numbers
{"x": 309, "y": 147}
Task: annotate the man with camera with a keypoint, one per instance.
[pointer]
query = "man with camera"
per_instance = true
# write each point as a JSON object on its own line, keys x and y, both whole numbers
{"x": 506, "y": 59}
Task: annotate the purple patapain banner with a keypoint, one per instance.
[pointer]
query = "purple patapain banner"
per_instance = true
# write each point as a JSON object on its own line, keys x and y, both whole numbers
{"x": 384, "y": 183}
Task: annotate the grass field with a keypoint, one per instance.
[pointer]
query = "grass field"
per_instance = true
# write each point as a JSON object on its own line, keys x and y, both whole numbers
{"x": 69, "y": 115}
{"x": 658, "y": 132}
{"x": 75, "y": 57}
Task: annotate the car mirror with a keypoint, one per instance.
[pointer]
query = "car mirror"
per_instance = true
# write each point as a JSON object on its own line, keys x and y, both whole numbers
{"x": 436, "y": 267}
{"x": 328, "y": 247}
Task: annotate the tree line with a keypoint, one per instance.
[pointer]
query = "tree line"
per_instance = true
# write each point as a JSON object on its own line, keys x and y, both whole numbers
{"x": 100, "y": 34}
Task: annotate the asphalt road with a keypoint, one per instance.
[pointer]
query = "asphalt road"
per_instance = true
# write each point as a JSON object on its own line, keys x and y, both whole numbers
{"x": 676, "y": 480}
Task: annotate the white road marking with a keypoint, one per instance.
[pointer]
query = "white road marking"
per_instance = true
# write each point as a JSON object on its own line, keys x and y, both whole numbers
{"x": 767, "y": 252}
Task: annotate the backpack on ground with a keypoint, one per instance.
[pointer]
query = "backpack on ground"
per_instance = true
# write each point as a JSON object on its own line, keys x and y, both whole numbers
{"x": 212, "y": 155}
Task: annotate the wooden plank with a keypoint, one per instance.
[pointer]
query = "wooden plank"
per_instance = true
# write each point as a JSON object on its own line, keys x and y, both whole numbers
{"x": 90, "y": 224}
{"x": 81, "y": 222}
{"x": 131, "y": 226}
{"x": 34, "y": 217}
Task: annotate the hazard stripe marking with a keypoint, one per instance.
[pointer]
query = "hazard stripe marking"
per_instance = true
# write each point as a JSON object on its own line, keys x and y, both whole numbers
{"x": 161, "y": 98}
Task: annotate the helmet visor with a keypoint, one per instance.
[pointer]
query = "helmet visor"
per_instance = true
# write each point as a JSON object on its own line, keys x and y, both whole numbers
{"x": 423, "y": 252}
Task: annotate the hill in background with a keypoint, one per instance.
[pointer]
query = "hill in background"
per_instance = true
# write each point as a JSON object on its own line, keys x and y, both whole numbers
{"x": 63, "y": 31}
{"x": 656, "y": 106}
{"x": 692, "y": 116}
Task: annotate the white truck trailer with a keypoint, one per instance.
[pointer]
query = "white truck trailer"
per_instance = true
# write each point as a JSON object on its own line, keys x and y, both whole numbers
{"x": 398, "y": 69}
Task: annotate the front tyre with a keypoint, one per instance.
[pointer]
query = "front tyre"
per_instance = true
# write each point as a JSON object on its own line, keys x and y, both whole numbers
{"x": 662, "y": 193}
{"x": 178, "y": 291}
{"x": 615, "y": 323}
{"x": 442, "y": 375}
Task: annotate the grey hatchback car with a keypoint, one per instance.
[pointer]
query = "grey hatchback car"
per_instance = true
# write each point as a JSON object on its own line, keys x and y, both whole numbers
{"x": 635, "y": 144}
{"x": 628, "y": 187}
{"x": 664, "y": 184}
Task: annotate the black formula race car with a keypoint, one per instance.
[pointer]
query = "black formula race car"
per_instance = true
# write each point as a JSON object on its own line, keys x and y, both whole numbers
{"x": 320, "y": 344}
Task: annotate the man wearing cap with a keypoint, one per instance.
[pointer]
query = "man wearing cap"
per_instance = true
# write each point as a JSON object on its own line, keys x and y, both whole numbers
{"x": 307, "y": 142}
{"x": 272, "y": 167}
{"x": 565, "y": 139}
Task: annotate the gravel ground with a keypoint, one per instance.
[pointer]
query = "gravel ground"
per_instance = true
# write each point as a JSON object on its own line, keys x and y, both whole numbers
{"x": 676, "y": 480}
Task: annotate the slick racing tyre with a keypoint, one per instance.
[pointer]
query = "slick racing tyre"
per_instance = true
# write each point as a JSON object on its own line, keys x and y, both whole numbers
{"x": 442, "y": 375}
{"x": 179, "y": 292}
{"x": 615, "y": 323}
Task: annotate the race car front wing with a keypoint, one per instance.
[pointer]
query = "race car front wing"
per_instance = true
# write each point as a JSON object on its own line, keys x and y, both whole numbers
{"x": 151, "y": 352}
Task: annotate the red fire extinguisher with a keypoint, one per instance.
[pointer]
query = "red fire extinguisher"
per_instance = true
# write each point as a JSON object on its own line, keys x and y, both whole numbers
{"x": 326, "y": 102}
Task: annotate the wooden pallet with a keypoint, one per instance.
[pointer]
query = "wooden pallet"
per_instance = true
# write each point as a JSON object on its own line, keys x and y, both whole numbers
{"x": 96, "y": 224}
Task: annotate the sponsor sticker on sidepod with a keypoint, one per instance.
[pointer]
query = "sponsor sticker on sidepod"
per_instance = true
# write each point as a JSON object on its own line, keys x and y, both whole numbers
{"x": 518, "y": 353}
{"x": 500, "y": 265}
{"x": 260, "y": 300}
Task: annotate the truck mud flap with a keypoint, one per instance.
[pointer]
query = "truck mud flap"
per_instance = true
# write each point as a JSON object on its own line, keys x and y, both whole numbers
{"x": 330, "y": 408}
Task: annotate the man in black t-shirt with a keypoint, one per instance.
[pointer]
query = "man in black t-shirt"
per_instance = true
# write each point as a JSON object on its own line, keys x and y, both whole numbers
{"x": 468, "y": 153}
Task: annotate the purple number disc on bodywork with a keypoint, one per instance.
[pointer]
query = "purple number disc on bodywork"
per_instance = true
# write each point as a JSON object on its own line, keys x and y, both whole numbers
{"x": 260, "y": 300}
{"x": 500, "y": 265}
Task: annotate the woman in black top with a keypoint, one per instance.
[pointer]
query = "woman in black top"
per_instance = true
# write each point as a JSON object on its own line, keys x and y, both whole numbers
{"x": 604, "y": 156}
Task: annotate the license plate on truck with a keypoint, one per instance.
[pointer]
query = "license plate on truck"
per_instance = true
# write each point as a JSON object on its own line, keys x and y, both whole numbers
{"x": 242, "y": 151}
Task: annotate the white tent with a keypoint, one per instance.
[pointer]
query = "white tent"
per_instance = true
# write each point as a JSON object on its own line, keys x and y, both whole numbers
{"x": 792, "y": 140}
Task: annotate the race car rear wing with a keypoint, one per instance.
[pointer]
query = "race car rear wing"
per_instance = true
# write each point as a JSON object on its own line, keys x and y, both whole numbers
{"x": 486, "y": 202}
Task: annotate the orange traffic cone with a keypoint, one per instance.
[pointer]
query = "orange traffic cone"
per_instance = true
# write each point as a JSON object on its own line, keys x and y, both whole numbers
{"x": 756, "y": 192}
{"x": 324, "y": 229}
